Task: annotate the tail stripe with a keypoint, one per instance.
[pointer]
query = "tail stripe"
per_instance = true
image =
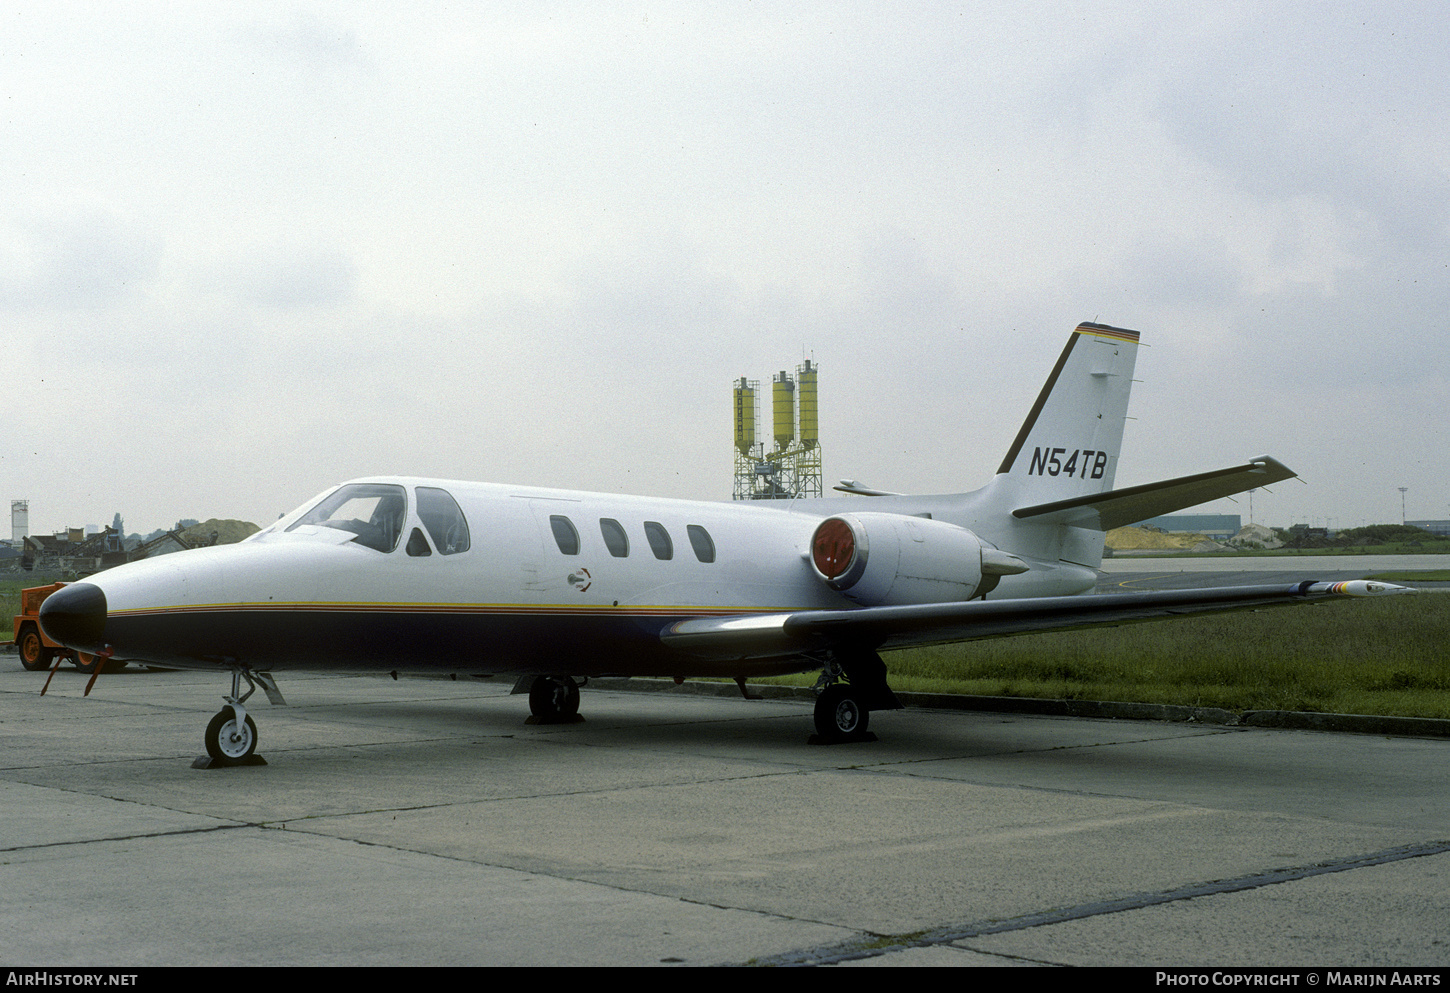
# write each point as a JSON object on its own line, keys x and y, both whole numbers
{"x": 1103, "y": 331}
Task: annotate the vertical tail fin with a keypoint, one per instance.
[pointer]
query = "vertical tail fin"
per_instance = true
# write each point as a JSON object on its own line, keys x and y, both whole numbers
{"x": 1069, "y": 444}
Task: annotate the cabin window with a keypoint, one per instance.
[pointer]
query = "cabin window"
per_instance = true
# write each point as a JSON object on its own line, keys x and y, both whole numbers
{"x": 659, "y": 540}
{"x": 418, "y": 545}
{"x": 443, "y": 518}
{"x": 701, "y": 542}
{"x": 614, "y": 537}
{"x": 373, "y": 512}
{"x": 565, "y": 535}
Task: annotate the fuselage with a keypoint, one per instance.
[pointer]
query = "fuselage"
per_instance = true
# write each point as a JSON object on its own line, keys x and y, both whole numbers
{"x": 492, "y": 578}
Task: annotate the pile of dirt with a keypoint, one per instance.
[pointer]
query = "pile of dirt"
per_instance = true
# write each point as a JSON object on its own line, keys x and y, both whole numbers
{"x": 1153, "y": 539}
{"x": 1124, "y": 539}
{"x": 227, "y": 532}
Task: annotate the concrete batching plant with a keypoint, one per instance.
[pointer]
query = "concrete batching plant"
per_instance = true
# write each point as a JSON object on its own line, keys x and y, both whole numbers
{"x": 793, "y": 467}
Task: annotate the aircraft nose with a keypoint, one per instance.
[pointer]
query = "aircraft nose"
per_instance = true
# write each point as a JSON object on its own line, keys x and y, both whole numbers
{"x": 75, "y": 616}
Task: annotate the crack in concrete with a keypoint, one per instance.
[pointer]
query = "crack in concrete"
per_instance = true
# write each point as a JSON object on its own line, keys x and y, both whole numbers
{"x": 875, "y": 945}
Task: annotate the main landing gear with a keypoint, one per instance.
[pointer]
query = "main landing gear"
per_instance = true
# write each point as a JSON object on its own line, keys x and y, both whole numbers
{"x": 840, "y": 716}
{"x": 554, "y": 700}
{"x": 231, "y": 737}
{"x": 843, "y": 710}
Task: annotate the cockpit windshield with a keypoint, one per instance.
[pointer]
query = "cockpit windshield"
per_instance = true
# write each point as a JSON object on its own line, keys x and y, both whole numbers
{"x": 372, "y": 511}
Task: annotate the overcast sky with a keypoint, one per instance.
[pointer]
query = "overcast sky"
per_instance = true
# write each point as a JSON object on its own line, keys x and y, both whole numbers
{"x": 248, "y": 251}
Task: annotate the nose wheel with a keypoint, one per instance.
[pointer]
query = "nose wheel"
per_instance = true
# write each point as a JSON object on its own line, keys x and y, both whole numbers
{"x": 229, "y": 740}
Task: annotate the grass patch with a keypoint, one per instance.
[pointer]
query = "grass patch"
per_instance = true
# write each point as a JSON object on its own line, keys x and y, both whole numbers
{"x": 1429, "y": 546}
{"x": 10, "y": 606}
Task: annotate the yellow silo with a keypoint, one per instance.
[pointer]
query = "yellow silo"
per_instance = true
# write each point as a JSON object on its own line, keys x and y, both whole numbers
{"x": 810, "y": 426}
{"x": 782, "y": 391}
{"x": 744, "y": 416}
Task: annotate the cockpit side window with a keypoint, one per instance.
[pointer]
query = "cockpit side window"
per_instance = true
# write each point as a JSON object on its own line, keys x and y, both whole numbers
{"x": 373, "y": 512}
{"x": 443, "y": 518}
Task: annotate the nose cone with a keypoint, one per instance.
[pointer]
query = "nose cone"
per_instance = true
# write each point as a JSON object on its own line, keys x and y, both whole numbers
{"x": 75, "y": 616}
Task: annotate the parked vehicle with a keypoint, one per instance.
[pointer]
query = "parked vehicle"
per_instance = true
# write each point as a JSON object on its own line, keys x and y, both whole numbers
{"x": 37, "y": 652}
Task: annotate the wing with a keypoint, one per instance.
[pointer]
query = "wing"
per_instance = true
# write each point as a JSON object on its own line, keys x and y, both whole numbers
{"x": 782, "y": 635}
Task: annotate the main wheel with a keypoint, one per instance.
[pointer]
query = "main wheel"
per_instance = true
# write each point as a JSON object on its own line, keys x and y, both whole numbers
{"x": 554, "y": 698}
{"x": 33, "y": 653}
{"x": 227, "y": 741}
{"x": 839, "y": 713}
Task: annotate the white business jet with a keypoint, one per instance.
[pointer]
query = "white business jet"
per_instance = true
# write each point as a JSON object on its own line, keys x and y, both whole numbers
{"x": 396, "y": 573}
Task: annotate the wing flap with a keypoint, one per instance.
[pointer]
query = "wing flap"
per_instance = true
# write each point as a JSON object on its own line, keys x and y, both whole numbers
{"x": 781, "y": 635}
{"x": 1118, "y": 508}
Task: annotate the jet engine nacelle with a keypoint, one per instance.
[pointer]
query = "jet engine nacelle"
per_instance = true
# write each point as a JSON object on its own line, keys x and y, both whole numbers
{"x": 884, "y": 559}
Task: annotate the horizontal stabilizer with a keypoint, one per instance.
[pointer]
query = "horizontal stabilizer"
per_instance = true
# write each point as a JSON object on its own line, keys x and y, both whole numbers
{"x": 851, "y": 486}
{"x": 782, "y": 635}
{"x": 1119, "y": 508}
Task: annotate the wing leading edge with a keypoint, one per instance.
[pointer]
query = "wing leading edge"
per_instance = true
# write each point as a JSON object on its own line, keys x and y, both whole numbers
{"x": 781, "y": 635}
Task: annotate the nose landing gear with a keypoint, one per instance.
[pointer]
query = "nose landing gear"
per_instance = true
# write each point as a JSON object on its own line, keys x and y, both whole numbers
{"x": 231, "y": 736}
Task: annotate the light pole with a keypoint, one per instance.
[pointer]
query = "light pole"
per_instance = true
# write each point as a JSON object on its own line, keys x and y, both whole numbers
{"x": 1402, "y": 503}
